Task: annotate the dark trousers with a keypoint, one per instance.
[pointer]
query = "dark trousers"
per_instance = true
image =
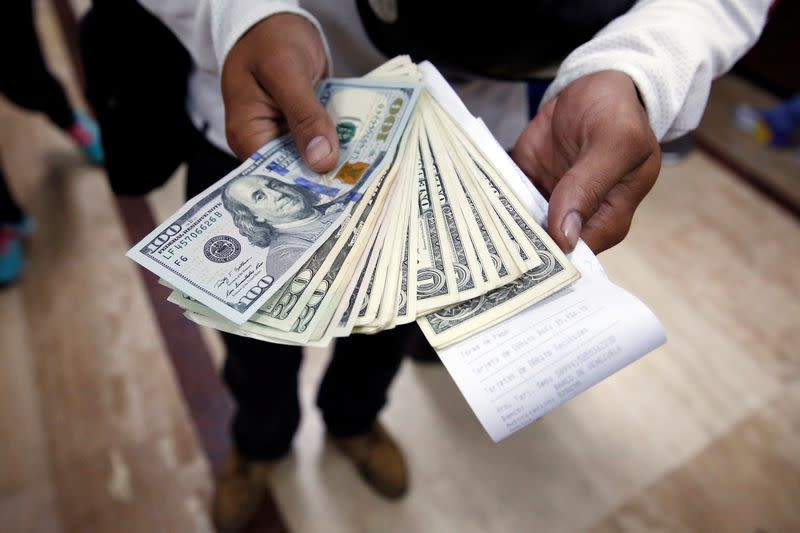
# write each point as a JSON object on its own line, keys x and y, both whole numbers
{"x": 26, "y": 80}
{"x": 262, "y": 377}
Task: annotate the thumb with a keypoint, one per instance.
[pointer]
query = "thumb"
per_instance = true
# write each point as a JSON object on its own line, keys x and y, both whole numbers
{"x": 309, "y": 123}
{"x": 580, "y": 192}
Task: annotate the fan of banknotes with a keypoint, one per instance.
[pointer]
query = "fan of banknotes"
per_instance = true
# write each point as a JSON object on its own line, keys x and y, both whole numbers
{"x": 414, "y": 223}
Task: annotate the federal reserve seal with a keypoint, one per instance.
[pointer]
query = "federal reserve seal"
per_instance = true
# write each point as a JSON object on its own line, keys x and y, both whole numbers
{"x": 222, "y": 248}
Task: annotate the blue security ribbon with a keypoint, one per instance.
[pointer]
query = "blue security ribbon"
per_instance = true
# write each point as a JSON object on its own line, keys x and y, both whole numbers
{"x": 277, "y": 169}
{"x": 354, "y": 196}
{"x": 317, "y": 187}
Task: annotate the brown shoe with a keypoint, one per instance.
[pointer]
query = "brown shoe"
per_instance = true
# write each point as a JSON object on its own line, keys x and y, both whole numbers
{"x": 378, "y": 459}
{"x": 240, "y": 491}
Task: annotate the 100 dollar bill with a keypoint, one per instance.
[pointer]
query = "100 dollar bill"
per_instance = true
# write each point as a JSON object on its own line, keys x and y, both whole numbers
{"x": 234, "y": 245}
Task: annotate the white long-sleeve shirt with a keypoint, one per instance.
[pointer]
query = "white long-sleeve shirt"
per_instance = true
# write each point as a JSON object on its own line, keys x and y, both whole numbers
{"x": 672, "y": 49}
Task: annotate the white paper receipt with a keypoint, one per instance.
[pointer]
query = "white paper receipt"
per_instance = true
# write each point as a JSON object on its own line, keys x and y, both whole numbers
{"x": 517, "y": 371}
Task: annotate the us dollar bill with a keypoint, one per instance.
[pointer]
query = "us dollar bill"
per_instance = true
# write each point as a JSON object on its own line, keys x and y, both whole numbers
{"x": 318, "y": 308}
{"x": 465, "y": 266}
{"x": 406, "y": 307}
{"x": 428, "y": 231}
{"x": 504, "y": 262}
{"x": 386, "y": 263}
{"x": 398, "y": 265}
{"x": 321, "y": 279}
{"x": 549, "y": 269}
{"x": 435, "y": 285}
{"x": 234, "y": 245}
{"x": 492, "y": 256}
{"x": 527, "y": 234}
{"x": 195, "y": 309}
{"x": 451, "y": 324}
{"x": 344, "y": 318}
{"x": 520, "y": 226}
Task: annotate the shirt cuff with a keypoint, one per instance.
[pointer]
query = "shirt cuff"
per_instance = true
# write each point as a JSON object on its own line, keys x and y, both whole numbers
{"x": 660, "y": 113}
{"x": 231, "y": 20}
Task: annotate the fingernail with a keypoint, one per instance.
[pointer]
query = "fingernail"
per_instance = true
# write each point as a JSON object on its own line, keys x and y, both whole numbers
{"x": 571, "y": 227}
{"x": 318, "y": 149}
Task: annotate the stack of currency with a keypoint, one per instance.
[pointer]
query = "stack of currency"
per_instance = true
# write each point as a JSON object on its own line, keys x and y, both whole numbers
{"x": 414, "y": 223}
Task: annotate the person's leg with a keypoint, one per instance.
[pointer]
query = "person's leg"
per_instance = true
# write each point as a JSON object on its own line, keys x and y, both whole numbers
{"x": 136, "y": 88}
{"x": 26, "y": 81}
{"x": 29, "y": 84}
{"x": 354, "y": 388}
{"x": 261, "y": 377}
{"x": 351, "y": 395}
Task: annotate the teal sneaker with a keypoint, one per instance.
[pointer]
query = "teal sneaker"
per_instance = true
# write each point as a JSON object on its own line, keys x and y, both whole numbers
{"x": 86, "y": 133}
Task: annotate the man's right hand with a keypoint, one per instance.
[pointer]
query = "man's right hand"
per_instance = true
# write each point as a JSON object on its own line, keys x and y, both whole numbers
{"x": 268, "y": 87}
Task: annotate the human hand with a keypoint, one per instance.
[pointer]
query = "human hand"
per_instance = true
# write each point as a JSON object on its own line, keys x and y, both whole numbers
{"x": 592, "y": 149}
{"x": 268, "y": 87}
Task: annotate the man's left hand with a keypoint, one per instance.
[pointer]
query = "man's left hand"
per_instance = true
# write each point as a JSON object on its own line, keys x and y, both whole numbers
{"x": 592, "y": 149}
